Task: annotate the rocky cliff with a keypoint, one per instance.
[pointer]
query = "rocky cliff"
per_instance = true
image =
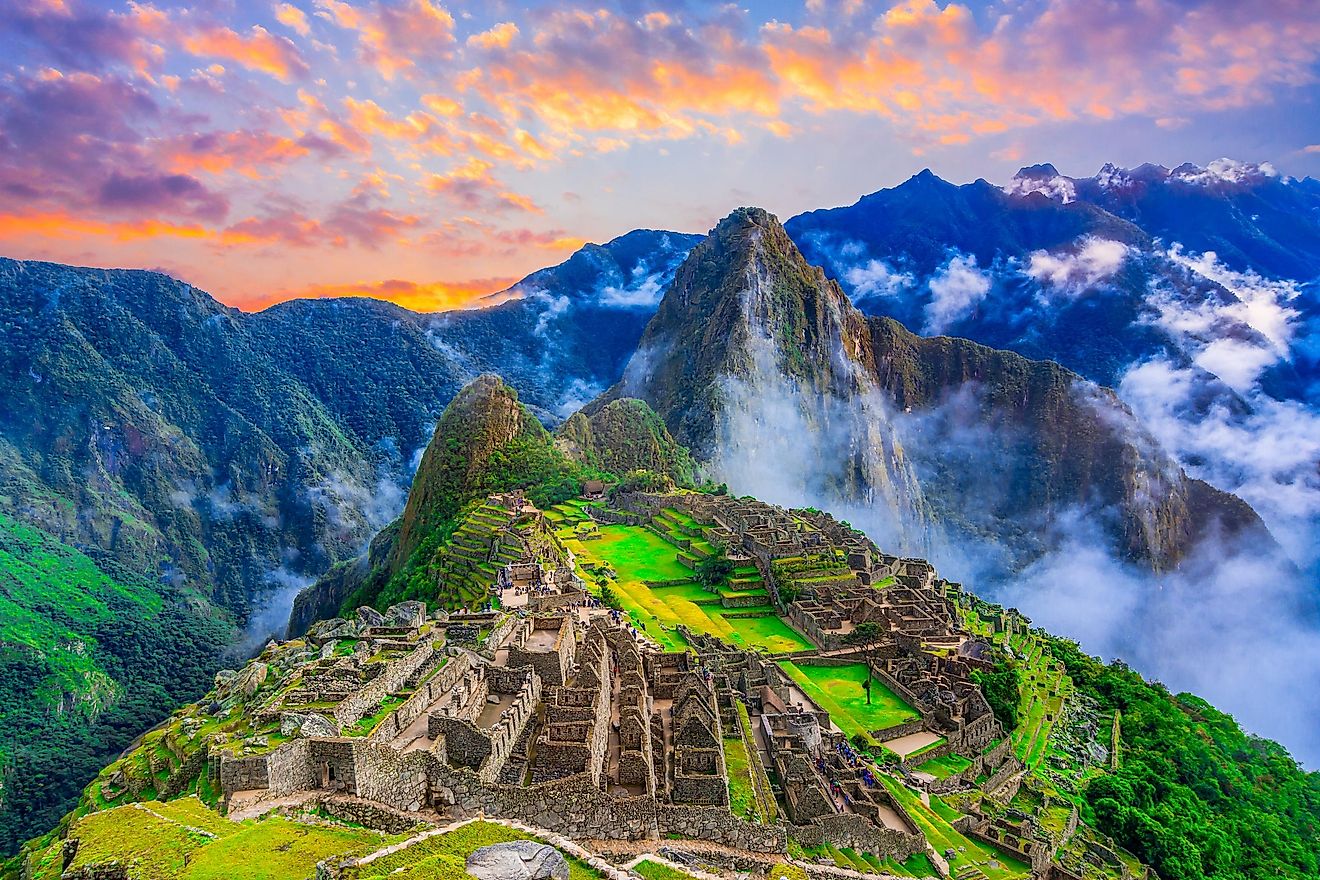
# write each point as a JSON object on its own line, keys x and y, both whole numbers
{"x": 625, "y": 435}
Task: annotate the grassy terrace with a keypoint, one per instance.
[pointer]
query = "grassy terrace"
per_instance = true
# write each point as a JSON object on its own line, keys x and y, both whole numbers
{"x": 638, "y": 555}
{"x": 838, "y": 690}
{"x": 443, "y": 857}
{"x": 943, "y": 768}
{"x": 163, "y": 841}
{"x": 742, "y": 794}
{"x": 933, "y": 822}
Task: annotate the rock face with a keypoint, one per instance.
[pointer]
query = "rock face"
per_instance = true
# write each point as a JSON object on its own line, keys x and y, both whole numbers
{"x": 755, "y": 359}
{"x": 518, "y": 860}
{"x": 782, "y": 388}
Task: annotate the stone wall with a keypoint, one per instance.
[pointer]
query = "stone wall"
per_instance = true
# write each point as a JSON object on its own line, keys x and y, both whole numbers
{"x": 289, "y": 768}
{"x": 244, "y": 774}
{"x": 855, "y": 832}
{"x": 369, "y": 815}
{"x": 359, "y": 703}
{"x": 553, "y": 665}
{"x": 425, "y": 696}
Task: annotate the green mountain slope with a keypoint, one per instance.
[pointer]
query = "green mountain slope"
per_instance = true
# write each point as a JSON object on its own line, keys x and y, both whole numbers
{"x": 90, "y": 656}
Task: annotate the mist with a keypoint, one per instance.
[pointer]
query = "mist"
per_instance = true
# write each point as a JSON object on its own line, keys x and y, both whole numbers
{"x": 1235, "y": 624}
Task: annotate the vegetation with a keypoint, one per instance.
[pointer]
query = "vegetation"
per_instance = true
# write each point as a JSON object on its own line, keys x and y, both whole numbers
{"x": 839, "y": 690}
{"x": 1196, "y": 797}
{"x": 652, "y": 869}
{"x": 183, "y": 840}
{"x": 1002, "y": 688}
{"x": 91, "y": 655}
{"x": 714, "y": 570}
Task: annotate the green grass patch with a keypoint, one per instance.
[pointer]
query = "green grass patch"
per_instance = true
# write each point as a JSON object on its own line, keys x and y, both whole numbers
{"x": 838, "y": 690}
{"x": 443, "y": 857}
{"x": 742, "y": 793}
{"x": 653, "y": 870}
{"x": 943, "y": 768}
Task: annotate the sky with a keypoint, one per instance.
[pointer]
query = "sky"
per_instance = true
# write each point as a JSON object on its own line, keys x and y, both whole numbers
{"x": 431, "y": 152}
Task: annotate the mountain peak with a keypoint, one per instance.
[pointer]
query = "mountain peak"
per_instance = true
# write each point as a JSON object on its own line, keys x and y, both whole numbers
{"x": 1043, "y": 170}
{"x": 484, "y": 417}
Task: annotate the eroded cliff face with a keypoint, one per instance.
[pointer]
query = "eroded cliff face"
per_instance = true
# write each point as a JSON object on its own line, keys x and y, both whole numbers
{"x": 783, "y": 389}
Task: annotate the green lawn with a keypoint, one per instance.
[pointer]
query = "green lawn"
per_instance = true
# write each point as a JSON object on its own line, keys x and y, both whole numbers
{"x": 742, "y": 795}
{"x": 638, "y": 555}
{"x": 161, "y": 844}
{"x": 653, "y": 870}
{"x": 838, "y": 690}
{"x": 943, "y": 768}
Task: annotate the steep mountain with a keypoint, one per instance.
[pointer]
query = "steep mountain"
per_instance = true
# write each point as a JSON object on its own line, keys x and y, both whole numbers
{"x": 623, "y": 436}
{"x": 486, "y": 442}
{"x": 1190, "y": 291}
{"x": 781, "y": 387}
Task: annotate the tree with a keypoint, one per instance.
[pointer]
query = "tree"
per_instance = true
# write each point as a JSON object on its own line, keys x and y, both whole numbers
{"x": 714, "y": 570}
{"x": 866, "y": 635}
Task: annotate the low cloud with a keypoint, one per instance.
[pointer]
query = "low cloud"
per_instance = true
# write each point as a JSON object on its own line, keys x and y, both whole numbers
{"x": 877, "y": 278}
{"x": 1074, "y": 270}
{"x": 956, "y": 289}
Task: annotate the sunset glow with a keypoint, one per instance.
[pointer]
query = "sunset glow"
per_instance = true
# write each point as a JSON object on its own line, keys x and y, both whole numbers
{"x": 430, "y": 152}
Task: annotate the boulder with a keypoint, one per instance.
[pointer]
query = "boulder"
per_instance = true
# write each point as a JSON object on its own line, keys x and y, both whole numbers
{"x": 518, "y": 860}
{"x": 368, "y": 616}
{"x": 411, "y": 613}
{"x": 322, "y": 629}
{"x": 308, "y": 724}
{"x": 251, "y": 678}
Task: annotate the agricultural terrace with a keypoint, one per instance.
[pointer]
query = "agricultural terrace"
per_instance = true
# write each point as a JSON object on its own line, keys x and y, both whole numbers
{"x": 935, "y": 820}
{"x": 1044, "y": 686}
{"x": 636, "y": 556}
{"x": 838, "y": 690}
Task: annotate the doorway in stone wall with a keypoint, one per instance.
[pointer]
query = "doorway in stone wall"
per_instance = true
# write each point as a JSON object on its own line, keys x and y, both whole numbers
{"x": 327, "y": 775}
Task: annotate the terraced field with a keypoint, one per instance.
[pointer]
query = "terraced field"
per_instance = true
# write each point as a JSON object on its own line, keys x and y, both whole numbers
{"x": 995, "y": 864}
{"x": 638, "y": 555}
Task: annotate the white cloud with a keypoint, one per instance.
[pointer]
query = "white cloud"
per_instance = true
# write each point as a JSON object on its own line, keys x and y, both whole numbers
{"x": 877, "y": 278}
{"x": 955, "y": 289}
{"x": 1225, "y": 171}
{"x": 1074, "y": 271}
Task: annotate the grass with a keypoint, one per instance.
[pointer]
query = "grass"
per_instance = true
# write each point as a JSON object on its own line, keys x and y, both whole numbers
{"x": 653, "y": 870}
{"x": 838, "y": 690}
{"x": 742, "y": 793}
{"x": 943, "y": 768}
{"x": 444, "y": 856}
{"x": 159, "y": 843}
{"x": 638, "y": 555}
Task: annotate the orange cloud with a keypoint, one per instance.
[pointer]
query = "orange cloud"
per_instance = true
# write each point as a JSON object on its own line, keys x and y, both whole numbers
{"x": 292, "y": 17}
{"x": 392, "y": 38}
{"x": 259, "y": 50}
